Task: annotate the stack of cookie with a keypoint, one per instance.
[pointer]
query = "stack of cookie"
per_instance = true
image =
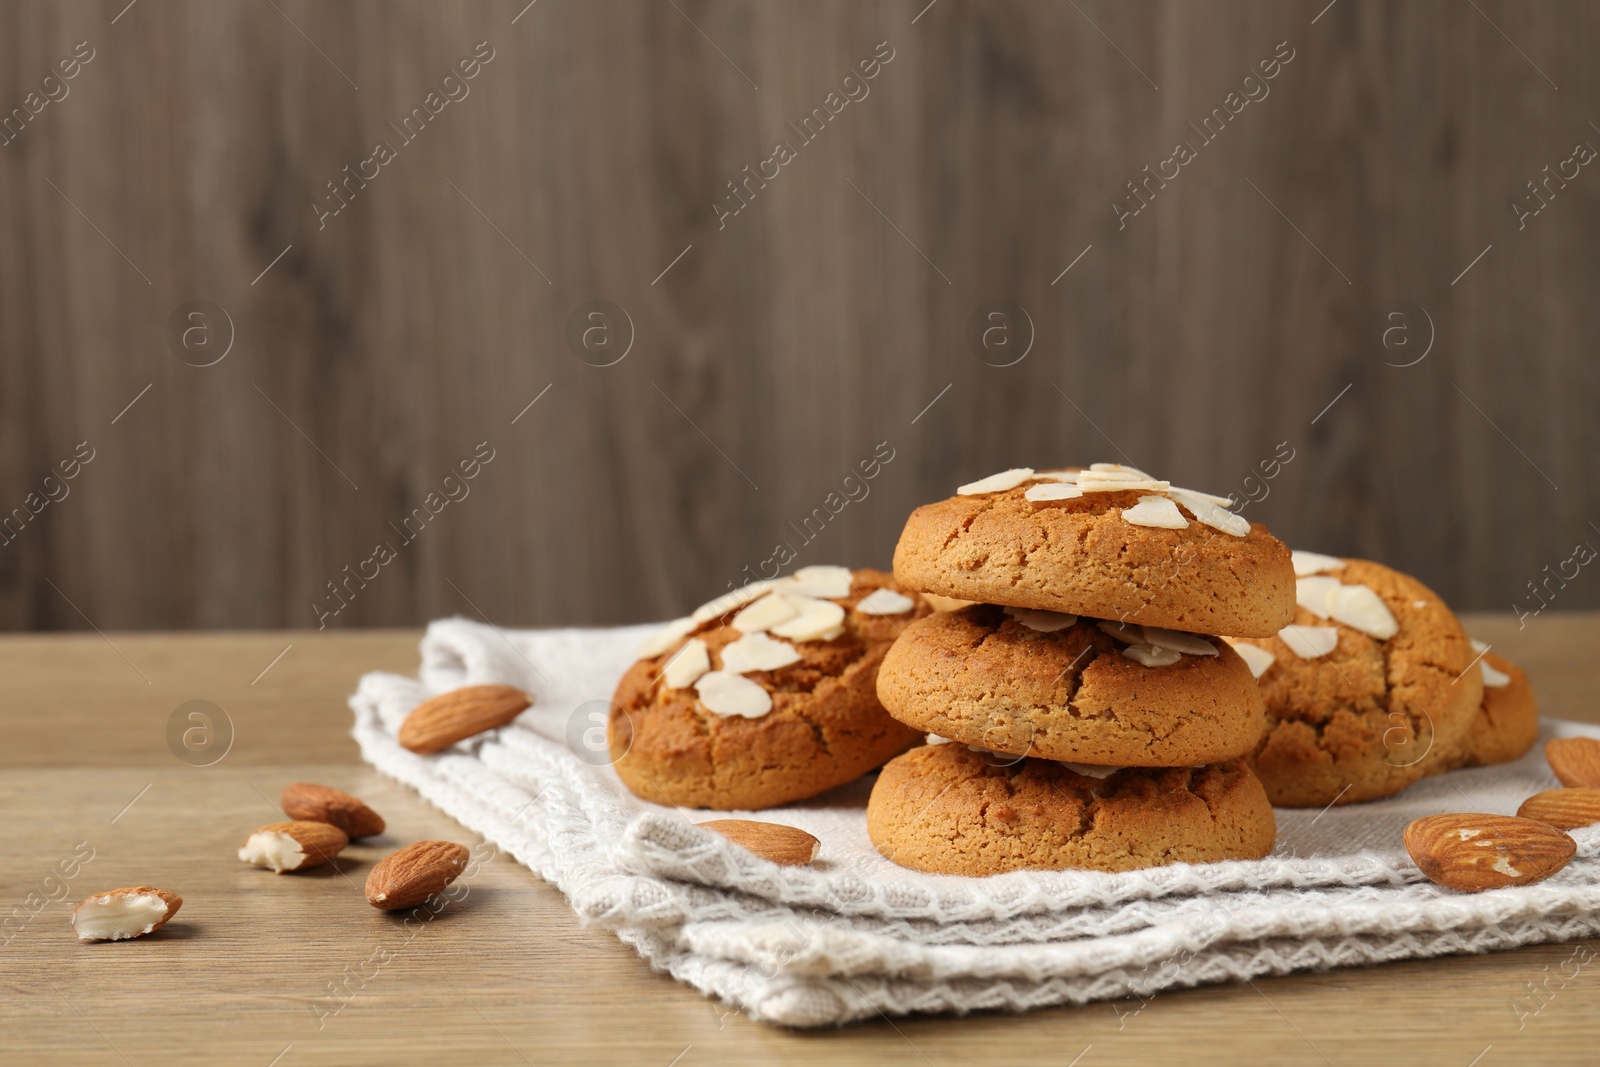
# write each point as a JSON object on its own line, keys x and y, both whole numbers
{"x": 1082, "y": 711}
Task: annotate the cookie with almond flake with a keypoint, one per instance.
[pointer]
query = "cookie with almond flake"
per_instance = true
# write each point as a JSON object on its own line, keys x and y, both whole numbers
{"x": 1109, "y": 542}
{"x": 766, "y": 695}
{"x": 947, "y": 809}
{"x": 1367, "y": 691}
{"x": 1062, "y": 687}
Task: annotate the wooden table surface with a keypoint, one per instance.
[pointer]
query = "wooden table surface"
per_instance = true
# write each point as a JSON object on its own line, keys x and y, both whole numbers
{"x": 508, "y": 976}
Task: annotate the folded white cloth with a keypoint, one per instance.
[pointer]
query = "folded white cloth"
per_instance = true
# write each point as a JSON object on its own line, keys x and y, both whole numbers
{"x": 853, "y": 935}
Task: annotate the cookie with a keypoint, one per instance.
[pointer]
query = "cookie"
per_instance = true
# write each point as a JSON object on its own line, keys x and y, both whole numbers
{"x": 1060, "y": 687}
{"x": 1109, "y": 542}
{"x": 764, "y": 696}
{"x": 1507, "y": 722}
{"x": 946, "y": 809}
{"x": 1367, "y": 691}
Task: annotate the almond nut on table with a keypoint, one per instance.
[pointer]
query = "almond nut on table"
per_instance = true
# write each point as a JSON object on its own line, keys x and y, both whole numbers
{"x": 124, "y": 913}
{"x": 309, "y": 802}
{"x": 1576, "y": 761}
{"x": 410, "y": 876}
{"x": 440, "y": 722}
{"x": 786, "y": 846}
{"x": 293, "y": 846}
{"x": 1565, "y": 809}
{"x": 1474, "y": 852}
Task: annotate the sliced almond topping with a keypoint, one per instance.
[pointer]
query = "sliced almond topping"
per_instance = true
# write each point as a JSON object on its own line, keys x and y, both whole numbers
{"x": 732, "y": 694}
{"x": 1309, "y": 642}
{"x": 1204, "y": 508}
{"x": 1089, "y": 482}
{"x": 817, "y": 620}
{"x": 1316, "y": 595}
{"x": 1151, "y": 656}
{"x": 757, "y": 652}
{"x": 666, "y": 637}
{"x": 739, "y": 597}
{"x": 1359, "y": 608}
{"x": 1122, "y": 469}
{"x": 1255, "y": 657}
{"x": 1056, "y": 476}
{"x": 765, "y": 613}
{"x": 997, "y": 483}
{"x": 1046, "y": 622}
{"x": 822, "y": 581}
{"x": 1052, "y": 491}
{"x": 1090, "y": 770}
{"x": 690, "y": 662}
{"x": 935, "y": 739}
{"x": 1314, "y": 563}
{"x": 1157, "y": 512}
{"x": 1123, "y": 631}
{"x": 1494, "y": 679}
{"x": 1219, "y": 501}
{"x": 1478, "y": 646}
{"x": 885, "y": 602}
{"x": 1179, "y": 641}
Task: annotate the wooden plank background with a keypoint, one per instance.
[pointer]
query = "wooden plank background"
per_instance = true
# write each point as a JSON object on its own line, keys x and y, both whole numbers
{"x": 788, "y": 343}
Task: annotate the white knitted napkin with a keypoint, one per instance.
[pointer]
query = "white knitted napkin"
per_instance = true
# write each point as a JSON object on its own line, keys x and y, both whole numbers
{"x": 853, "y": 935}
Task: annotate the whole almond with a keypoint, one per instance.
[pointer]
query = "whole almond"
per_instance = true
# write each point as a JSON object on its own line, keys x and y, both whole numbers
{"x": 309, "y": 802}
{"x": 1576, "y": 761}
{"x": 450, "y": 717}
{"x": 120, "y": 914}
{"x": 1474, "y": 852}
{"x": 1565, "y": 809}
{"x": 786, "y": 846}
{"x": 410, "y": 876}
{"x": 293, "y": 846}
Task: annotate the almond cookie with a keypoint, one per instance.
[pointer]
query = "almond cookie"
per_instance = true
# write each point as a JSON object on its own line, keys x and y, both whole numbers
{"x": 946, "y": 809}
{"x": 1107, "y": 541}
{"x": 1060, "y": 687}
{"x": 1367, "y": 691}
{"x": 1507, "y": 722}
{"x": 766, "y": 695}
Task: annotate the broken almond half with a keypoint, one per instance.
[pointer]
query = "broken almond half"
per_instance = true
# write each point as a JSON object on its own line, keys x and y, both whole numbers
{"x": 1474, "y": 852}
{"x": 126, "y": 913}
{"x": 786, "y": 846}
{"x": 459, "y": 714}
{"x": 410, "y": 876}
{"x": 309, "y": 802}
{"x": 293, "y": 846}
{"x": 1576, "y": 761}
{"x": 1565, "y": 809}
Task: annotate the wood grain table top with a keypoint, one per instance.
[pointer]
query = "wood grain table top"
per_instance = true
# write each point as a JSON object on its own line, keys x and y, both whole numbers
{"x": 283, "y": 972}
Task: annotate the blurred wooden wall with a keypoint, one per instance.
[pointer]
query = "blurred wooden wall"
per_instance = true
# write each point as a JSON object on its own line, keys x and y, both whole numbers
{"x": 774, "y": 350}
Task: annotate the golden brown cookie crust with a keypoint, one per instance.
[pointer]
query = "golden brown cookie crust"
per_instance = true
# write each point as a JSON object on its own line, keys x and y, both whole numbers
{"x": 1080, "y": 556}
{"x": 980, "y": 677}
{"x": 825, "y": 728}
{"x": 1507, "y": 722}
{"x": 948, "y": 810}
{"x": 1371, "y": 717}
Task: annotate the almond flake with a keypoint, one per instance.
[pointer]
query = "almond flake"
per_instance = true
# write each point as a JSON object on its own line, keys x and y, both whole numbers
{"x": 1478, "y": 646}
{"x": 1090, "y": 770}
{"x": 729, "y": 695}
{"x": 997, "y": 483}
{"x": 1419, "y": 603}
{"x": 1122, "y": 631}
{"x": 935, "y": 739}
{"x": 737, "y": 598}
{"x": 1056, "y": 476}
{"x": 691, "y": 661}
{"x": 1157, "y": 512}
{"x": 765, "y": 613}
{"x": 1052, "y": 491}
{"x": 1219, "y": 501}
{"x": 1204, "y": 508}
{"x": 1255, "y": 657}
{"x": 1359, "y": 608}
{"x": 1093, "y": 482}
{"x": 1118, "y": 468}
{"x": 1187, "y": 643}
{"x": 1314, "y": 563}
{"x": 817, "y": 620}
{"x": 1309, "y": 642}
{"x": 1316, "y": 595}
{"x": 1046, "y": 622}
{"x": 885, "y": 602}
{"x": 757, "y": 652}
{"x": 822, "y": 581}
{"x": 666, "y": 637}
{"x": 1492, "y": 678}
{"x": 1151, "y": 656}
